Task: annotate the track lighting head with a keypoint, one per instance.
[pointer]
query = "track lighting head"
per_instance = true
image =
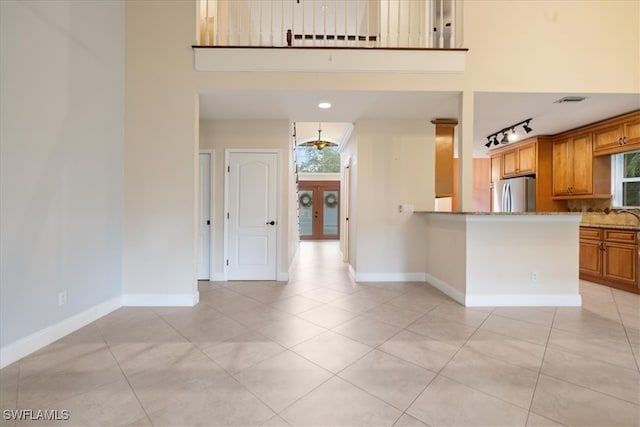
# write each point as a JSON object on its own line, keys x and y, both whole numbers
{"x": 526, "y": 127}
{"x": 504, "y": 139}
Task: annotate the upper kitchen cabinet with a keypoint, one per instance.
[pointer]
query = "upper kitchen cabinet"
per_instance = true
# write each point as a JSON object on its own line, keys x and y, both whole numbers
{"x": 617, "y": 135}
{"x": 576, "y": 173}
{"x": 520, "y": 160}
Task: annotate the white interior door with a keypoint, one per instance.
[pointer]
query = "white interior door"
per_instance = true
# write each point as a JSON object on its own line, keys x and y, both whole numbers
{"x": 204, "y": 217}
{"x": 252, "y": 215}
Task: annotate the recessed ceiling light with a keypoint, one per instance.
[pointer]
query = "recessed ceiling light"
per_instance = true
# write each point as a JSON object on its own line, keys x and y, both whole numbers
{"x": 324, "y": 105}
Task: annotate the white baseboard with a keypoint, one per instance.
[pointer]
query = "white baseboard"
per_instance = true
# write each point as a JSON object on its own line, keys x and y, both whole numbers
{"x": 524, "y": 300}
{"x": 46, "y": 336}
{"x": 160, "y": 300}
{"x": 443, "y": 286}
{"x": 352, "y": 272}
{"x": 217, "y": 277}
{"x": 387, "y": 277}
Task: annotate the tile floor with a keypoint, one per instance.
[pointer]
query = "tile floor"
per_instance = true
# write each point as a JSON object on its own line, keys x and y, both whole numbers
{"x": 322, "y": 350}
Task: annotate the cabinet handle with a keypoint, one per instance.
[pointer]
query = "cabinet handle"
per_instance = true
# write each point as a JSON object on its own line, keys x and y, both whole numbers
{"x": 620, "y": 141}
{"x": 624, "y": 140}
{"x": 602, "y": 247}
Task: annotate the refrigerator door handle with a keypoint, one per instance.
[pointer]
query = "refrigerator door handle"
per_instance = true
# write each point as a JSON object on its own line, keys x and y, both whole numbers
{"x": 504, "y": 198}
{"x": 509, "y": 201}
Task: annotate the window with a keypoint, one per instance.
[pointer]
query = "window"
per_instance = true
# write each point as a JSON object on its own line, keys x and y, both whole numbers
{"x": 625, "y": 179}
{"x": 312, "y": 160}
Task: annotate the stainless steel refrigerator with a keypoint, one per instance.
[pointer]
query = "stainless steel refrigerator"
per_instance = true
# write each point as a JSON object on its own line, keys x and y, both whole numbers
{"x": 514, "y": 195}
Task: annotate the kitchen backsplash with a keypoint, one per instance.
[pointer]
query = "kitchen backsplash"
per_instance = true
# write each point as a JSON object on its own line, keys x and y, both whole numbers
{"x": 598, "y": 211}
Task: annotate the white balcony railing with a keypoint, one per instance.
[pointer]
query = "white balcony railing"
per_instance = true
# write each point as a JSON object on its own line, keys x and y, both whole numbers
{"x": 330, "y": 23}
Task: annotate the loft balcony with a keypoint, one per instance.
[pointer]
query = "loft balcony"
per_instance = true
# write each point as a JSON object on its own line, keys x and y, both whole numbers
{"x": 330, "y": 36}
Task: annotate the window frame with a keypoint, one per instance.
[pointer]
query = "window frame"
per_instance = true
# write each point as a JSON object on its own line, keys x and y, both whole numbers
{"x": 618, "y": 179}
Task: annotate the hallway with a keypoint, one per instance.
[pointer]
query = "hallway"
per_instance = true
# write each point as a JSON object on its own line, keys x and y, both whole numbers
{"x": 322, "y": 350}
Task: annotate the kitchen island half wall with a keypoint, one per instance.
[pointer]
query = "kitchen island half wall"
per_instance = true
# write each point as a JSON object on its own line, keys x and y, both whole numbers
{"x": 504, "y": 259}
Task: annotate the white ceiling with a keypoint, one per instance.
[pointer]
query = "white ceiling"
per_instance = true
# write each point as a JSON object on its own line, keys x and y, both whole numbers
{"x": 493, "y": 111}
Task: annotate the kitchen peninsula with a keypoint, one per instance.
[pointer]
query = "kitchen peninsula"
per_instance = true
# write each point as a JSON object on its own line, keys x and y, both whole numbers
{"x": 504, "y": 259}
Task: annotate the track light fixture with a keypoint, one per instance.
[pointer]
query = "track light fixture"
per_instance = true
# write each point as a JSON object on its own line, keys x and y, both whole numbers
{"x": 508, "y": 134}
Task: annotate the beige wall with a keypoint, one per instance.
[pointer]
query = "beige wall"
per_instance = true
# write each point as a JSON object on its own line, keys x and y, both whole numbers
{"x": 221, "y": 135}
{"x": 553, "y": 46}
{"x": 395, "y": 161}
{"x": 519, "y": 46}
{"x": 161, "y": 149}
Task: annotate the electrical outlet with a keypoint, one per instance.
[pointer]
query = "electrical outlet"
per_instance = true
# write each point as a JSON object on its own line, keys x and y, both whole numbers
{"x": 534, "y": 276}
{"x": 62, "y": 298}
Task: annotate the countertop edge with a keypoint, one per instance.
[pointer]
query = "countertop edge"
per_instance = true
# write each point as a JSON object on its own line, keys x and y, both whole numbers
{"x": 614, "y": 226}
{"x": 508, "y": 214}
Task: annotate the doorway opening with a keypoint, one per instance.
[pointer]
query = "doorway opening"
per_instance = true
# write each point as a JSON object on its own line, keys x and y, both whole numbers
{"x": 317, "y": 158}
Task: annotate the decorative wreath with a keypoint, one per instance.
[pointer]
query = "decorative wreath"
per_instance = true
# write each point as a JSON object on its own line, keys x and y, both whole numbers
{"x": 331, "y": 200}
{"x": 305, "y": 200}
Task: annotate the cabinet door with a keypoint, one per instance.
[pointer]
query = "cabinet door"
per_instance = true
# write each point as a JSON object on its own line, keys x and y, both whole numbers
{"x": 527, "y": 160}
{"x": 582, "y": 165}
{"x": 590, "y": 258}
{"x": 495, "y": 169}
{"x": 607, "y": 137}
{"x": 632, "y": 133}
{"x": 510, "y": 163}
{"x": 444, "y": 160}
{"x": 621, "y": 263}
{"x": 561, "y": 167}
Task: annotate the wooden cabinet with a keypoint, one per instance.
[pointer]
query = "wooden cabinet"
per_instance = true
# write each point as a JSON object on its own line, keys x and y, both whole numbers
{"x": 519, "y": 161}
{"x": 610, "y": 257}
{"x": 617, "y": 135}
{"x": 576, "y": 174}
{"x": 529, "y": 157}
{"x": 444, "y": 157}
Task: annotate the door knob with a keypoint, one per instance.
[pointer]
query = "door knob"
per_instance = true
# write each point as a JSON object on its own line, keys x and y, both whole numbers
{"x": 271, "y": 223}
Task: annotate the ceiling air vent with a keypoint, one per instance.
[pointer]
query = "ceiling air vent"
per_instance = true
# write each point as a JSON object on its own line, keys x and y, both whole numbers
{"x": 570, "y": 99}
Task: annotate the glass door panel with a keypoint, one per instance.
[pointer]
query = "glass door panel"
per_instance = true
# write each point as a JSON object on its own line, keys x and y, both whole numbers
{"x": 330, "y": 213}
{"x": 305, "y": 201}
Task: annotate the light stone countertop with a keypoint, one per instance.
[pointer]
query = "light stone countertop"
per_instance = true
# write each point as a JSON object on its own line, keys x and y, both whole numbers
{"x": 502, "y": 213}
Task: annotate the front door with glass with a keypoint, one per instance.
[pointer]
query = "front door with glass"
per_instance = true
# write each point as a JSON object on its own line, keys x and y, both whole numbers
{"x": 319, "y": 210}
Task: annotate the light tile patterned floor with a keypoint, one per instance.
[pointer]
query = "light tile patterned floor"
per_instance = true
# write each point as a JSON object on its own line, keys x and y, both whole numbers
{"x": 322, "y": 350}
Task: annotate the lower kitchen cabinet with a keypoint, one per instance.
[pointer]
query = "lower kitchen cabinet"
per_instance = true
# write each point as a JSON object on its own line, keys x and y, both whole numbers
{"x": 610, "y": 257}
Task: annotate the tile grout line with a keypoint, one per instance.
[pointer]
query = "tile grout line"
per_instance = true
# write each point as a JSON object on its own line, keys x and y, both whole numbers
{"x": 230, "y": 375}
{"x": 626, "y": 332}
{"x": 126, "y": 378}
{"x": 438, "y": 373}
{"x": 544, "y": 353}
